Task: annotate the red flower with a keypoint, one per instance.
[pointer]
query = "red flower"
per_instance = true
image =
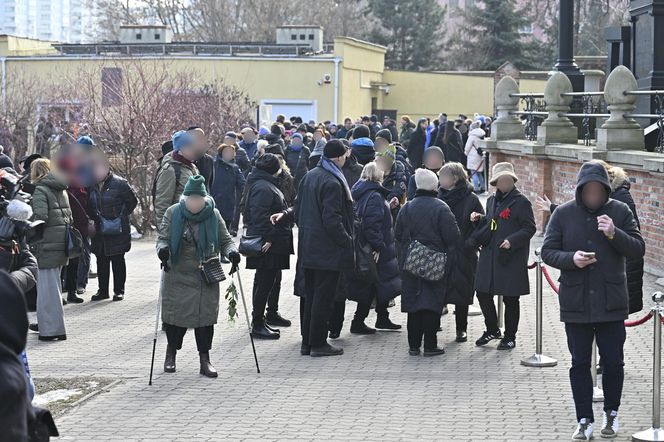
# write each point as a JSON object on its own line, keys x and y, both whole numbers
{"x": 505, "y": 214}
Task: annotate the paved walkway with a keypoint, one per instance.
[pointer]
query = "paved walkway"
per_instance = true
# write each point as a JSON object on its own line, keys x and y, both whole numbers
{"x": 375, "y": 391}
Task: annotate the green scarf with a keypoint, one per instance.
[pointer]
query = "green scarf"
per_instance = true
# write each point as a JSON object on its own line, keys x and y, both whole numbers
{"x": 208, "y": 229}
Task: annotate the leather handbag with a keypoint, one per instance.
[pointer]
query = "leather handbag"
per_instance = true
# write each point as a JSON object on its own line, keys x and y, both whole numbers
{"x": 251, "y": 246}
{"x": 91, "y": 228}
{"x": 73, "y": 242}
{"x": 211, "y": 271}
{"x": 365, "y": 265}
{"x": 424, "y": 262}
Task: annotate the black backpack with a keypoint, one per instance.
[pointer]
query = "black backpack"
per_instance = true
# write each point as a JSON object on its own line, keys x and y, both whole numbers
{"x": 177, "y": 167}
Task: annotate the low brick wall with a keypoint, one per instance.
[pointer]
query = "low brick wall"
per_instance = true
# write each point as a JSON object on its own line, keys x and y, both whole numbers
{"x": 557, "y": 178}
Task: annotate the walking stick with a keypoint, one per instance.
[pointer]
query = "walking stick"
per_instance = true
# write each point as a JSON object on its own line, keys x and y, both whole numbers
{"x": 156, "y": 333}
{"x": 246, "y": 315}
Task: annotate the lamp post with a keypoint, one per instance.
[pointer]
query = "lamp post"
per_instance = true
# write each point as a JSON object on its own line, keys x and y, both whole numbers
{"x": 565, "y": 62}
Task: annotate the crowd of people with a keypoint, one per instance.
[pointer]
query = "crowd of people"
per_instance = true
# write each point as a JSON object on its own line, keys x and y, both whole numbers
{"x": 381, "y": 212}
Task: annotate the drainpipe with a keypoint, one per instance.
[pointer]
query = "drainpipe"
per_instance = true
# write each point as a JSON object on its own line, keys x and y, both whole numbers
{"x": 337, "y": 61}
{"x": 3, "y": 61}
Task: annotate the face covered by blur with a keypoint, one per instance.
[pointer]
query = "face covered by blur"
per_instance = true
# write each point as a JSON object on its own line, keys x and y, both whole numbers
{"x": 594, "y": 195}
{"x": 380, "y": 145}
{"x": 249, "y": 136}
{"x": 384, "y": 164}
{"x": 194, "y": 203}
{"x": 228, "y": 154}
{"x": 446, "y": 181}
{"x": 505, "y": 184}
{"x": 433, "y": 162}
{"x": 296, "y": 141}
{"x": 199, "y": 142}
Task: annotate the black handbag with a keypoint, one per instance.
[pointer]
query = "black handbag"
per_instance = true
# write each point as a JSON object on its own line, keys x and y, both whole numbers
{"x": 365, "y": 265}
{"x": 73, "y": 242}
{"x": 251, "y": 246}
{"x": 211, "y": 271}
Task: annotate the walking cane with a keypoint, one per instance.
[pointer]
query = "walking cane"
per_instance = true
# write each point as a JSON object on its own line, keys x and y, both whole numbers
{"x": 156, "y": 333}
{"x": 246, "y": 315}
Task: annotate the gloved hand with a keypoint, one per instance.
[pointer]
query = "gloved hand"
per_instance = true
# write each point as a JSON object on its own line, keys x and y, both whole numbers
{"x": 234, "y": 258}
{"x": 164, "y": 253}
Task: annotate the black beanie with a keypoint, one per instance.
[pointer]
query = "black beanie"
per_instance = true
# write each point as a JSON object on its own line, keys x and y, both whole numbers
{"x": 334, "y": 149}
{"x": 385, "y": 134}
{"x": 361, "y": 131}
{"x": 275, "y": 149}
{"x": 167, "y": 147}
{"x": 269, "y": 163}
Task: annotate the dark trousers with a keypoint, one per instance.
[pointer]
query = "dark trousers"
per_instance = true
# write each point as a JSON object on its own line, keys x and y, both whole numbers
{"x": 175, "y": 334}
{"x": 461, "y": 317}
{"x": 337, "y": 317}
{"x": 71, "y": 275}
{"x": 320, "y": 288}
{"x": 273, "y": 297}
{"x": 512, "y": 312}
{"x": 361, "y": 313}
{"x": 610, "y": 342}
{"x": 104, "y": 272}
{"x": 425, "y": 324}
{"x": 76, "y": 272}
{"x": 264, "y": 282}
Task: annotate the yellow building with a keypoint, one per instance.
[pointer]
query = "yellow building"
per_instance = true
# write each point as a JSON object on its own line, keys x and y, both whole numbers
{"x": 346, "y": 78}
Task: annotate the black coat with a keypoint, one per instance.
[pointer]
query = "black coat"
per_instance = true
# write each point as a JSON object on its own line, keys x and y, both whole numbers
{"x": 352, "y": 170}
{"x": 462, "y": 201}
{"x": 227, "y": 187}
{"x": 501, "y": 271}
{"x": 264, "y": 199}
{"x": 376, "y": 229}
{"x": 298, "y": 162}
{"x": 454, "y": 148}
{"x": 324, "y": 215}
{"x": 416, "y": 148}
{"x": 205, "y": 166}
{"x": 431, "y": 222}
{"x": 596, "y": 293}
{"x": 114, "y": 198}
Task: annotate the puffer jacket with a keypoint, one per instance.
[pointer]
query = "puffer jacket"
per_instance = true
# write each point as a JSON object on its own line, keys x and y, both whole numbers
{"x": 475, "y": 161}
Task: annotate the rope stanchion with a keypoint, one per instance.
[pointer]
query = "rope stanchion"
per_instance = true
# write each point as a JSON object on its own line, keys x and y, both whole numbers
{"x": 532, "y": 265}
{"x": 640, "y": 321}
{"x": 538, "y": 359}
{"x": 549, "y": 279}
{"x": 655, "y": 432}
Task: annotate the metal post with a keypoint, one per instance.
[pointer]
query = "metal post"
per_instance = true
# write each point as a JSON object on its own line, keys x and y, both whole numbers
{"x": 655, "y": 433}
{"x": 538, "y": 359}
{"x": 486, "y": 171}
{"x": 501, "y": 311}
{"x": 598, "y": 394}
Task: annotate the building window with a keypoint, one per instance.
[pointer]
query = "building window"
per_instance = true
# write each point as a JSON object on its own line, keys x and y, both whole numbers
{"x": 139, "y": 37}
{"x": 111, "y": 86}
{"x": 293, "y": 37}
{"x": 157, "y": 36}
{"x": 303, "y": 37}
{"x": 311, "y": 36}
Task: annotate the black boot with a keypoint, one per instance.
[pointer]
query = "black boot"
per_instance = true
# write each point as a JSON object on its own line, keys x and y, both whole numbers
{"x": 169, "y": 363}
{"x": 276, "y": 320}
{"x": 260, "y": 331}
{"x": 99, "y": 296}
{"x": 358, "y": 327}
{"x": 326, "y": 350}
{"x": 384, "y": 323}
{"x": 206, "y": 368}
{"x": 461, "y": 336}
{"x": 71, "y": 297}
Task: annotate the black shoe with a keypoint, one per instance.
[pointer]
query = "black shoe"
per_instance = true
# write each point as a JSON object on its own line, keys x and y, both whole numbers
{"x": 260, "y": 331}
{"x": 34, "y": 327}
{"x": 72, "y": 298}
{"x": 434, "y": 351}
{"x": 53, "y": 338}
{"x": 461, "y": 336}
{"x": 414, "y": 351}
{"x": 224, "y": 260}
{"x": 207, "y": 369}
{"x": 169, "y": 363}
{"x": 305, "y": 350}
{"x": 326, "y": 350}
{"x": 272, "y": 329}
{"x": 507, "y": 344}
{"x": 118, "y": 297}
{"x": 334, "y": 334}
{"x": 99, "y": 296}
{"x": 488, "y": 337}
{"x": 276, "y": 320}
{"x": 360, "y": 328}
{"x": 80, "y": 291}
{"x": 386, "y": 324}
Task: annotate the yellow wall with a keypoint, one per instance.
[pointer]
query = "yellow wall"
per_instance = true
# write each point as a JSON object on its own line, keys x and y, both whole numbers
{"x": 14, "y": 46}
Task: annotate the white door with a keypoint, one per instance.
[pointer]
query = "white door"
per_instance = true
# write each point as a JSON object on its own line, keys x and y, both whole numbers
{"x": 307, "y": 109}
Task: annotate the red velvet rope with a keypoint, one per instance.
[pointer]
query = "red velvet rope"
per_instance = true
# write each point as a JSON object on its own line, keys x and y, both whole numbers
{"x": 532, "y": 265}
{"x": 556, "y": 289}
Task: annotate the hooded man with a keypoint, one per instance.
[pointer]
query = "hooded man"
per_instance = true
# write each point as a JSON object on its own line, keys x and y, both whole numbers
{"x": 588, "y": 239}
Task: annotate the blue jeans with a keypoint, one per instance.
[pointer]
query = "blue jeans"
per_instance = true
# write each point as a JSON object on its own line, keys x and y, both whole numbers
{"x": 610, "y": 341}
{"x": 478, "y": 181}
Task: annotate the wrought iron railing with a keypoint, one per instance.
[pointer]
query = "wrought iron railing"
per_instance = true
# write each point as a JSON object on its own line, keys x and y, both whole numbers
{"x": 534, "y": 110}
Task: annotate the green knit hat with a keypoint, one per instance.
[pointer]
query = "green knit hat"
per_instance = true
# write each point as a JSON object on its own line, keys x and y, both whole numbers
{"x": 195, "y": 186}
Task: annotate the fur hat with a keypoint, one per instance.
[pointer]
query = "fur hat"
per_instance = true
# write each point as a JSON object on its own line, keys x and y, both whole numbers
{"x": 426, "y": 180}
{"x": 502, "y": 169}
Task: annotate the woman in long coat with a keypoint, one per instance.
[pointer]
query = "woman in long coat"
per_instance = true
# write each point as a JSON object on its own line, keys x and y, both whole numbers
{"x": 373, "y": 211}
{"x": 416, "y": 143}
{"x": 265, "y": 198}
{"x": 191, "y": 232}
{"x": 111, "y": 198}
{"x": 51, "y": 205}
{"x": 457, "y": 193}
{"x": 504, "y": 235}
{"x": 453, "y": 147}
{"x": 430, "y": 221}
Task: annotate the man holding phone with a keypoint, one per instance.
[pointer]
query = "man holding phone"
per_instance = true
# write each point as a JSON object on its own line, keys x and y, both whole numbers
{"x": 588, "y": 239}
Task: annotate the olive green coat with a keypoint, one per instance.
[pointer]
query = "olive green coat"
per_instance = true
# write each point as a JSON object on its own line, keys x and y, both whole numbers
{"x": 168, "y": 188}
{"x": 186, "y": 299}
{"x": 51, "y": 205}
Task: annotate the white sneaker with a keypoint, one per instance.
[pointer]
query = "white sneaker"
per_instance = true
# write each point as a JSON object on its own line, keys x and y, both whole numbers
{"x": 584, "y": 430}
{"x": 610, "y": 425}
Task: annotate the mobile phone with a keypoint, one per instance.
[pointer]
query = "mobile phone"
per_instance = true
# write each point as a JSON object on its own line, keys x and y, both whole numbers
{"x": 589, "y": 255}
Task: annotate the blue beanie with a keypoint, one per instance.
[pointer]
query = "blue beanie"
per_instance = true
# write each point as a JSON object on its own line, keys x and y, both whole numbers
{"x": 85, "y": 140}
{"x": 297, "y": 135}
{"x": 180, "y": 140}
{"x": 263, "y": 131}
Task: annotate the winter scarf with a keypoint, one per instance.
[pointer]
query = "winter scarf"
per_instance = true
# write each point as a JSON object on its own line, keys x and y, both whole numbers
{"x": 328, "y": 165}
{"x": 208, "y": 230}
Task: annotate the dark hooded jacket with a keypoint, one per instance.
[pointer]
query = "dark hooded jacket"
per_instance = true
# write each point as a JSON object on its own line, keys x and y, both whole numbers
{"x": 416, "y": 147}
{"x": 298, "y": 162}
{"x": 598, "y": 292}
{"x": 227, "y": 188}
{"x": 352, "y": 170}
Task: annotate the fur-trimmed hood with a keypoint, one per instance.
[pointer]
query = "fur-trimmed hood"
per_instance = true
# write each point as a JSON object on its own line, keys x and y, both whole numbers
{"x": 619, "y": 178}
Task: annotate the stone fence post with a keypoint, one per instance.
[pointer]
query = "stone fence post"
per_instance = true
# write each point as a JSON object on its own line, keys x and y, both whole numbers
{"x": 557, "y": 129}
{"x": 506, "y": 126}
